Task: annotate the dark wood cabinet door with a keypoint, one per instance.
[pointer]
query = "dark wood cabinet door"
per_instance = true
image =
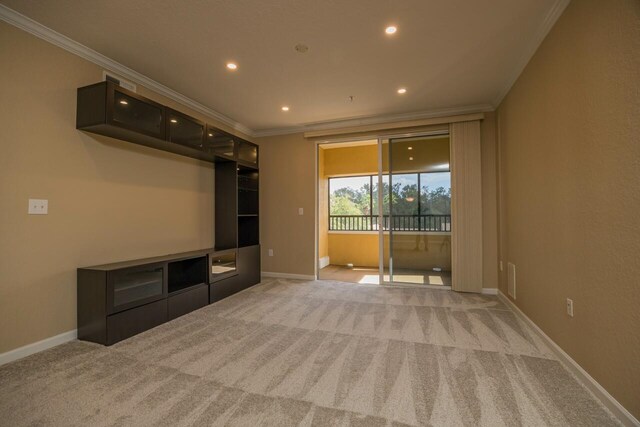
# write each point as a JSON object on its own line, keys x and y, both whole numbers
{"x": 131, "y": 322}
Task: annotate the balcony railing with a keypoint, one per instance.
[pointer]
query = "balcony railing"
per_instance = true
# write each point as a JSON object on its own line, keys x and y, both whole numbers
{"x": 395, "y": 223}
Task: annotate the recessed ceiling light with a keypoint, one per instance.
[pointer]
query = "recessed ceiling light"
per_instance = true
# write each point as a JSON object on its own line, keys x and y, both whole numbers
{"x": 232, "y": 65}
{"x": 410, "y": 158}
{"x": 285, "y": 108}
{"x": 124, "y": 102}
{"x": 391, "y": 29}
{"x": 210, "y": 134}
{"x": 402, "y": 91}
{"x": 174, "y": 121}
{"x": 409, "y": 148}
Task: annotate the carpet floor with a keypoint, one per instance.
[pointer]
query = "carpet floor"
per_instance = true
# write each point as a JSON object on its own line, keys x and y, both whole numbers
{"x": 318, "y": 353}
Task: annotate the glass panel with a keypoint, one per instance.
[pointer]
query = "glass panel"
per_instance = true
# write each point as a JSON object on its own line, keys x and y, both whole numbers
{"x": 435, "y": 201}
{"x": 248, "y": 153}
{"x": 420, "y": 225}
{"x": 223, "y": 264}
{"x": 137, "y": 114}
{"x": 350, "y": 203}
{"x": 136, "y": 285}
{"x": 220, "y": 144}
{"x": 185, "y": 132}
{"x": 404, "y": 196}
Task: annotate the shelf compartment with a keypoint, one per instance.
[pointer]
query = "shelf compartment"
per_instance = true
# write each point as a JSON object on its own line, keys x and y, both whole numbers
{"x": 186, "y": 273}
{"x": 248, "y": 231}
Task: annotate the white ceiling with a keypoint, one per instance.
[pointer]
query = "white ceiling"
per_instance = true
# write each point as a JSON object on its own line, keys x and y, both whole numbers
{"x": 451, "y": 55}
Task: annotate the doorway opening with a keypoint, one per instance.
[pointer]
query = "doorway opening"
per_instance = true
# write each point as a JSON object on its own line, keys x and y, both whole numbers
{"x": 385, "y": 211}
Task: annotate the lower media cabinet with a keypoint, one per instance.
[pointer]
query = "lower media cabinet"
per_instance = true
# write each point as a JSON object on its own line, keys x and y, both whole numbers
{"x": 119, "y": 300}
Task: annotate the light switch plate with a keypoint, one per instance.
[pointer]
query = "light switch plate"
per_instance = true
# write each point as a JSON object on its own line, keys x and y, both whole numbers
{"x": 38, "y": 207}
{"x": 300, "y": 211}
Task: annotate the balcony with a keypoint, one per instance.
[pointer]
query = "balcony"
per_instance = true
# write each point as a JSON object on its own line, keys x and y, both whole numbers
{"x": 413, "y": 223}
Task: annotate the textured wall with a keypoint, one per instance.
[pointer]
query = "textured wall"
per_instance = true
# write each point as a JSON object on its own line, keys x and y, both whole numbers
{"x": 569, "y": 164}
{"x": 109, "y": 200}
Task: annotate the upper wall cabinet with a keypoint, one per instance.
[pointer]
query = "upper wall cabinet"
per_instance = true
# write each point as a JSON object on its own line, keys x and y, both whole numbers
{"x": 248, "y": 153}
{"x": 221, "y": 143}
{"x": 104, "y": 105}
{"x": 108, "y": 109}
{"x": 185, "y": 130}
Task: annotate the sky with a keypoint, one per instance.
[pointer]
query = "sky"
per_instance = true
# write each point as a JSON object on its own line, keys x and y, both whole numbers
{"x": 431, "y": 180}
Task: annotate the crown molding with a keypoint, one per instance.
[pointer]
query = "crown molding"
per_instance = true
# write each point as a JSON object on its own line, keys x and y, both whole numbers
{"x": 45, "y": 33}
{"x": 542, "y": 32}
{"x": 376, "y": 120}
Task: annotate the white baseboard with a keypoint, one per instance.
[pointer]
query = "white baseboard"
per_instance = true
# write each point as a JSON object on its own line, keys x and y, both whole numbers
{"x": 37, "y": 347}
{"x": 288, "y": 275}
{"x": 490, "y": 291}
{"x": 583, "y": 376}
{"x": 323, "y": 262}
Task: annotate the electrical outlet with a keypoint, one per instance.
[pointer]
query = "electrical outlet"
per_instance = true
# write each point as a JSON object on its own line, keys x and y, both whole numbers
{"x": 570, "y": 307}
{"x": 38, "y": 207}
{"x": 270, "y": 252}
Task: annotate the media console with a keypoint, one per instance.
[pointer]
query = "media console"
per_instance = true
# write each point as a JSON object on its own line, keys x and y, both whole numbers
{"x": 119, "y": 300}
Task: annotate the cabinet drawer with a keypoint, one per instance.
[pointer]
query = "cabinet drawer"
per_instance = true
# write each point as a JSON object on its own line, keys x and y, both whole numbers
{"x": 131, "y": 322}
{"x": 187, "y": 301}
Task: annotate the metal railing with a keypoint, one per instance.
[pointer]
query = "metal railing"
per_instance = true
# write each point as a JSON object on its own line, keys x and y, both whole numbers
{"x": 395, "y": 223}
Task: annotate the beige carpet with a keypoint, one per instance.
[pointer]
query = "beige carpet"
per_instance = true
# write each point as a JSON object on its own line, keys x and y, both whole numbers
{"x": 288, "y": 353}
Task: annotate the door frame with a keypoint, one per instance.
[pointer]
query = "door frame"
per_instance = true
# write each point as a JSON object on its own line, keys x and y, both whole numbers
{"x": 380, "y": 138}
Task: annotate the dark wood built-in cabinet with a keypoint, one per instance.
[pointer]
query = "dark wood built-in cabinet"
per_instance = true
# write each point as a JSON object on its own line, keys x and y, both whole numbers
{"x": 119, "y": 300}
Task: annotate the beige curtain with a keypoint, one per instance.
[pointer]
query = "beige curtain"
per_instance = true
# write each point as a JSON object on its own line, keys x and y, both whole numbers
{"x": 466, "y": 207}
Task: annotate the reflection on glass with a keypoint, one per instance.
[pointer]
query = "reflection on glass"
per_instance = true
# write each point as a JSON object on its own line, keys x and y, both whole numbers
{"x": 221, "y": 264}
{"x": 137, "y": 114}
{"x": 130, "y": 286}
{"x": 420, "y": 224}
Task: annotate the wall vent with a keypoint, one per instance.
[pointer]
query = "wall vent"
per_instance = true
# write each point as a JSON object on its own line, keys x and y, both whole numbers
{"x": 109, "y": 76}
{"x": 511, "y": 279}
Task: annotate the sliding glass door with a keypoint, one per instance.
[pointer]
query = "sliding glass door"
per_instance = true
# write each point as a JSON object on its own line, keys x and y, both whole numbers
{"x": 415, "y": 210}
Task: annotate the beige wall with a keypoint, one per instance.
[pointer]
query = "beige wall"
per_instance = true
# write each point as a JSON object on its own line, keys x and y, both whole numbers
{"x": 109, "y": 200}
{"x": 287, "y": 167}
{"x": 287, "y": 182}
{"x": 570, "y": 180}
{"x": 323, "y": 208}
{"x": 415, "y": 251}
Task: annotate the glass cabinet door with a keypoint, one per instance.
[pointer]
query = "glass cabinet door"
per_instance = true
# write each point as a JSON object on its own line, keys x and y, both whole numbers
{"x": 184, "y": 130}
{"x": 220, "y": 143}
{"x": 248, "y": 153}
{"x": 222, "y": 265}
{"x": 131, "y": 287}
{"x": 138, "y": 115}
